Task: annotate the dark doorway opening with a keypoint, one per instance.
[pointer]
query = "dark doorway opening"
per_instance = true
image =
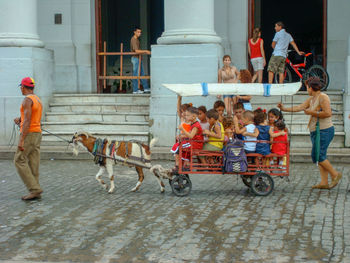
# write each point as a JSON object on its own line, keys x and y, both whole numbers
{"x": 115, "y": 22}
{"x": 306, "y": 21}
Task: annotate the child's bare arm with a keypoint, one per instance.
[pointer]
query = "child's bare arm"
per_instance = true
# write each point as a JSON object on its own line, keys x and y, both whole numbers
{"x": 190, "y": 134}
{"x": 241, "y": 131}
{"x": 217, "y": 130}
{"x": 274, "y": 135}
{"x": 254, "y": 134}
{"x": 215, "y": 134}
{"x": 179, "y": 98}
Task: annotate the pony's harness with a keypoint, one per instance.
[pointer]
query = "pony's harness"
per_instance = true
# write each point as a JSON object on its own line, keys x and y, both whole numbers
{"x": 113, "y": 149}
{"x": 135, "y": 158}
{"x": 98, "y": 150}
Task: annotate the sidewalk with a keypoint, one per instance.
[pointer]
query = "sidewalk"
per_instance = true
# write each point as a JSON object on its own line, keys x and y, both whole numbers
{"x": 220, "y": 221}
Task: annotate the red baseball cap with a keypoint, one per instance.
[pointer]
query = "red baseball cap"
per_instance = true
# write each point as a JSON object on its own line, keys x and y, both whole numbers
{"x": 28, "y": 81}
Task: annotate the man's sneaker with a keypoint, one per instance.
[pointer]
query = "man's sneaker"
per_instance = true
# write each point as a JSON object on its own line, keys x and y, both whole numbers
{"x": 138, "y": 92}
{"x": 147, "y": 91}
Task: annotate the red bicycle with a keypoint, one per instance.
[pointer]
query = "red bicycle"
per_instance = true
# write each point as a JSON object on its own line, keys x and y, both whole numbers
{"x": 304, "y": 73}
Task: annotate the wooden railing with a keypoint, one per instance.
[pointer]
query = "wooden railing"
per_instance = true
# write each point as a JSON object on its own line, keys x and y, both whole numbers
{"x": 121, "y": 77}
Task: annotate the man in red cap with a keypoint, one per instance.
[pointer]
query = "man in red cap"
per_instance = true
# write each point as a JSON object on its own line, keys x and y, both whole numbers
{"x": 27, "y": 157}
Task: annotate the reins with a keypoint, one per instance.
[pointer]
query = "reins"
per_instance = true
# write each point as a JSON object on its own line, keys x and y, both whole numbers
{"x": 12, "y": 140}
{"x": 61, "y": 138}
{"x": 14, "y": 135}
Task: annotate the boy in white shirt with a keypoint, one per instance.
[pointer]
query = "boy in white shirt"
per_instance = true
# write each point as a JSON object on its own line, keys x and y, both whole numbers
{"x": 249, "y": 131}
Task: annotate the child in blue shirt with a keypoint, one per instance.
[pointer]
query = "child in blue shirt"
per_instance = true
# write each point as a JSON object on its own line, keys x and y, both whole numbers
{"x": 260, "y": 120}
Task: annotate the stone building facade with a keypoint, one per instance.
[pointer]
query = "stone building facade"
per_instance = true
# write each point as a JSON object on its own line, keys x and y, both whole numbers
{"x": 55, "y": 42}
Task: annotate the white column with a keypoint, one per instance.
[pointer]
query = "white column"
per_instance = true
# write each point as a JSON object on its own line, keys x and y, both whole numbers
{"x": 18, "y": 24}
{"x": 188, "y": 22}
{"x": 346, "y": 98}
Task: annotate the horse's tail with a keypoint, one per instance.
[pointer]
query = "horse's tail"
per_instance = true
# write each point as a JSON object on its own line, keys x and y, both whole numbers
{"x": 153, "y": 142}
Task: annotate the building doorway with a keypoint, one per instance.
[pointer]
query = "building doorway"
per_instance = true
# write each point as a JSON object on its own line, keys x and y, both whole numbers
{"x": 115, "y": 22}
{"x": 306, "y": 21}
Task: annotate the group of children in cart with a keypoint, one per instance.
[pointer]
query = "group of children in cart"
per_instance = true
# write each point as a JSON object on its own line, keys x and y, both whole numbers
{"x": 211, "y": 130}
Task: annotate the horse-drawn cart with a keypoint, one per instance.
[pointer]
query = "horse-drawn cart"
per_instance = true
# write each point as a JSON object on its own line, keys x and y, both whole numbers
{"x": 260, "y": 170}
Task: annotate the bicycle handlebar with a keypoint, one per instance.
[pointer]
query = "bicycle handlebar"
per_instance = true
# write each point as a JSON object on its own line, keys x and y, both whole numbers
{"x": 304, "y": 55}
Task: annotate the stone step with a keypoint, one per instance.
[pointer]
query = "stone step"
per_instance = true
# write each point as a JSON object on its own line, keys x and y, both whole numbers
{"x": 302, "y": 140}
{"x": 300, "y": 116}
{"x": 97, "y": 126}
{"x": 98, "y": 107}
{"x": 96, "y": 117}
{"x": 139, "y": 99}
{"x": 335, "y": 105}
{"x": 301, "y": 126}
{"x": 51, "y": 139}
{"x": 296, "y": 99}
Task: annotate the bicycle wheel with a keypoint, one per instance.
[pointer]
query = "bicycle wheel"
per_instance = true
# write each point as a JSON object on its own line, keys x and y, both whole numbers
{"x": 287, "y": 76}
{"x": 321, "y": 73}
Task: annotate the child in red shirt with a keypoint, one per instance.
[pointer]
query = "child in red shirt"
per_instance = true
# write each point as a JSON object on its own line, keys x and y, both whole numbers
{"x": 195, "y": 135}
{"x": 279, "y": 136}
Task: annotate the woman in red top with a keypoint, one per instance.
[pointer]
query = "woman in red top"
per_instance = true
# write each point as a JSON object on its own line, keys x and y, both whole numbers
{"x": 257, "y": 54}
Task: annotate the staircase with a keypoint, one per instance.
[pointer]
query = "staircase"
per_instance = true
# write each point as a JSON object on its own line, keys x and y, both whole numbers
{"x": 120, "y": 117}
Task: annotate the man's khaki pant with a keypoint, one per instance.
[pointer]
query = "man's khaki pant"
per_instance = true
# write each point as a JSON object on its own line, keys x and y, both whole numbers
{"x": 27, "y": 162}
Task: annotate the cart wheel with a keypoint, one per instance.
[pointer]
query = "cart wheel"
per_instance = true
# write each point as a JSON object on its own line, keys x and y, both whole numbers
{"x": 181, "y": 185}
{"x": 262, "y": 184}
{"x": 247, "y": 180}
{"x": 174, "y": 174}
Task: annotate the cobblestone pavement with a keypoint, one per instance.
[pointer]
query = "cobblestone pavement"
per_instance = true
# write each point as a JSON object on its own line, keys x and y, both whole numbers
{"x": 220, "y": 221}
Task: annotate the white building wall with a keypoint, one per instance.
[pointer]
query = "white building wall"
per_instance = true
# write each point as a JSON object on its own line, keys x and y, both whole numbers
{"x": 338, "y": 30}
{"x": 231, "y": 24}
{"x": 21, "y": 55}
{"x": 347, "y": 98}
{"x": 71, "y": 42}
{"x": 338, "y": 54}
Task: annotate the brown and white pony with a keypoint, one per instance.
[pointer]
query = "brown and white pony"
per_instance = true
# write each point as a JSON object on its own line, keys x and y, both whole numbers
{"x": 136, "y": 154}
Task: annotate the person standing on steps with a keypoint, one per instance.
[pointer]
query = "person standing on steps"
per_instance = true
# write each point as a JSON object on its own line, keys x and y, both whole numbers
{"x": 280, "y": 44}
{"x": 135, "y": 47}
{"x": 257, "y": 55}
{"x": 228, "y": 74}
{"x": 27, "y": 156}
